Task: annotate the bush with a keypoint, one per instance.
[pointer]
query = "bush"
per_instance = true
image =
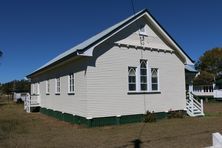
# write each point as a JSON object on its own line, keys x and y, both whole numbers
{"x": 175, "y": 114}
{"x": 149, "y": 117}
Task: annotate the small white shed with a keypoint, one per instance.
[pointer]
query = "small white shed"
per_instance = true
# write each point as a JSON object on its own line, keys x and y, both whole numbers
{"x": 20, "y": 96}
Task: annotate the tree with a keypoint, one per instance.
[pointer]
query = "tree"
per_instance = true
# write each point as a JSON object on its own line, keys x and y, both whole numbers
{"x": 210, "y": 66}
{"x": 16, "y": 85}
{"x": 211, "y": 61}
{"x": 204, "y": 78}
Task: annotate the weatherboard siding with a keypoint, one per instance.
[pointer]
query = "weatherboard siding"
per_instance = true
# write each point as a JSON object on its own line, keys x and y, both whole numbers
{"x": 107, "y": 83}
{"x": 107, "y": 78}
{"x": 64, "y": 102}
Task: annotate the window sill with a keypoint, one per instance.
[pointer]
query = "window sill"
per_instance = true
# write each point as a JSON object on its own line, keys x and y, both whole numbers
{"x": 35, "y": 94}
{"x": 71, "y": 93}
{"x": 144, "y": 92}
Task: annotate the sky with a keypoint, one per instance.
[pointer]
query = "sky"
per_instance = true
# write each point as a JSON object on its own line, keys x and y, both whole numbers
{"x": 32, "y": 32}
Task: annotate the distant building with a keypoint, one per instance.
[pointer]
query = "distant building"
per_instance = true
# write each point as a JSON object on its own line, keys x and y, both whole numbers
{"x": 20, "y": 95}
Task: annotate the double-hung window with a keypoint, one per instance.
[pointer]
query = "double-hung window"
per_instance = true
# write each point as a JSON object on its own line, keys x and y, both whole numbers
{"x": 132, "y": 78}
{"x": 143, "y": 75}
{"x": 154, "y": 79}
{"x": 71, "y": 83}
{"x": 33, "y": 88}
{"x": 47, "y": 87}
{"x": 37, "y": 88}
{"x": 57, "y": 85}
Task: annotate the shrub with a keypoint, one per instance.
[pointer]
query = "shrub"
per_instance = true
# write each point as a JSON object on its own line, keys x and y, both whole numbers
{"x": 149, "y": 117}
{"x": 175, "y": 114}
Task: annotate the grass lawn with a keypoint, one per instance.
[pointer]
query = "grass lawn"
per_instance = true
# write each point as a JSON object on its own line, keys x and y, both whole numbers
{"x": 20, "y": 129}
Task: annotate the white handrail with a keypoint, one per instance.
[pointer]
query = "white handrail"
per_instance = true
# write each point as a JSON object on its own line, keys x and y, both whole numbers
{"x": 193, "y": 106}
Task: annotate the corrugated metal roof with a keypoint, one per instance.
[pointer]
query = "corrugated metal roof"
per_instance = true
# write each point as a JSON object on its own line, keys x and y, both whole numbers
{"x": 98, "y": 37}
{"x": 88, "y": 42}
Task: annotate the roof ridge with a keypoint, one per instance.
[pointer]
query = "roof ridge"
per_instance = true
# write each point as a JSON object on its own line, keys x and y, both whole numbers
{"x": 88, "y": 42}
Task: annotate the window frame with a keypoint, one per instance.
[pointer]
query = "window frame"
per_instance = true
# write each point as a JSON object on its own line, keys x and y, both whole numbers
{"x": 132, "y": 83}
{"x": 151, "y": 80}
{"x": 57, "y": 85}
{"x": 37, "y": 88}
{"x": 71, "y": 91}
{"x": 47, "y": 87}
{"x": 32, "y": 88}
{"x": 146, "y": 76}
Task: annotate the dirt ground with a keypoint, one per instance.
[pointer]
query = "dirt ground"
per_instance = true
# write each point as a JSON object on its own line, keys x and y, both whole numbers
{"x": 23, "y": 130}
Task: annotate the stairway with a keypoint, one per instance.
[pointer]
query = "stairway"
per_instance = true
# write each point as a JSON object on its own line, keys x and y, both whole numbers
{"x": 194, "y": 107}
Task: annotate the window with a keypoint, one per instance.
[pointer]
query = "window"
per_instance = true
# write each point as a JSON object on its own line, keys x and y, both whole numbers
{"x": 47, "y": 87}
{"x": 154, "y": 79}
{"x": 132, "y": 78}
{"x": 142, "y": 79}
{"x": 33, "y": 88}
{"x": 37, "y": 88}
{"x": 143, "y": 75}
{"x": 57, "y": 85}
{"x": 71, "y": 83}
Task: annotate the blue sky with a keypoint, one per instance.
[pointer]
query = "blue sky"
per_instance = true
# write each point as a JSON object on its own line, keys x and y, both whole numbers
{"x": 32, "y": 32}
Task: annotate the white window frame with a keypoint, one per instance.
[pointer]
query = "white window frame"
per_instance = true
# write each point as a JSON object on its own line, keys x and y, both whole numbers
{"x": 47, "y": 87}
{"x": 33, "y": 88}
{"x": 71, "y": 90}
{"x": 37, "y": 88}
{"x": 57, "y": 85}
{"x": 157, "y": 83}
{"x": 148, "y": 75}
{"x": 130, "y": 83}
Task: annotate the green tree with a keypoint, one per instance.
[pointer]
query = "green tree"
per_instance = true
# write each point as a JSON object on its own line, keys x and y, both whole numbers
{"x": 16, "y": 85}
{"x": 210, "y": 66}
{"x": 211, "y": 61}
{"x": 204, "y": 78}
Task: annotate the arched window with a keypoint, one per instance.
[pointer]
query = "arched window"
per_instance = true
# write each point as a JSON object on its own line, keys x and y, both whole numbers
{"x": 132, "y": 78}
{"x": 143, "y": 75}
{"x": 154, "y": 79}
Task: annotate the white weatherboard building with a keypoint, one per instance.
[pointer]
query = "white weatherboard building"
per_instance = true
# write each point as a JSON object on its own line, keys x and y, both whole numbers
{"x": 115, "y": 76}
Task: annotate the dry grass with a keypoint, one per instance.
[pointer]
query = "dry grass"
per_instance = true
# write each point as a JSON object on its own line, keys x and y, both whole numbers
{"x": 19, "y": 129}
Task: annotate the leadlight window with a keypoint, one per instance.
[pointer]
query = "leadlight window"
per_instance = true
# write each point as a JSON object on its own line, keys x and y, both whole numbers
{"x": 143, "y": 75}
{"x": 132, "y": 78}
{"x": 154, "y": 79}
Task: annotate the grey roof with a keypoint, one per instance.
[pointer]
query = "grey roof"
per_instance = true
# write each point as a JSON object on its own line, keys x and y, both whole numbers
{"x": 98, "y": 37}
{"x": 88, "y": 42}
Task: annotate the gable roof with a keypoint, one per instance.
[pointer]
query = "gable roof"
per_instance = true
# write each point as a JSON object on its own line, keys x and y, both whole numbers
{"x": 84, "y": 46}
